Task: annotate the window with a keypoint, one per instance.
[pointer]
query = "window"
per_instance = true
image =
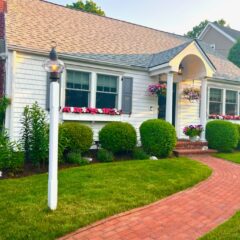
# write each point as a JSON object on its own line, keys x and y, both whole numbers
{"x": 106, "y": 96}
{"x": 77, "y": 89}
{"x": 215, "y": 101}
{"x": 231, "y": 102}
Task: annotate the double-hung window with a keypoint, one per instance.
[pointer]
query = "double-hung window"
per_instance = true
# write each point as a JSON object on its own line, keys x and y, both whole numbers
{"x": 77, "y": 89}
{"x": 231, "y": 102}
{"x": 215, "y": 101}
{"x": 107, "y": 91}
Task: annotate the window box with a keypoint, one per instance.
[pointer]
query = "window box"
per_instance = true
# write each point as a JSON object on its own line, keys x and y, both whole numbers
{"x": 223, "y": 117}
{"x": 91, "y": 114}
{"x": 106, "y": 111}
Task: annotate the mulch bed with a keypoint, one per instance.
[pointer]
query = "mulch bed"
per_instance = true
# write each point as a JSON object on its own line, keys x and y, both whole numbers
{"x": 30, "y": 170}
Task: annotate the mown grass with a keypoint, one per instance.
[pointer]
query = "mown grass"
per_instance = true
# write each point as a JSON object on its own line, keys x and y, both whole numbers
{"x": 90, "y": 193}
{"x": 233, "y": 157}
{"x": 230, "y": 230}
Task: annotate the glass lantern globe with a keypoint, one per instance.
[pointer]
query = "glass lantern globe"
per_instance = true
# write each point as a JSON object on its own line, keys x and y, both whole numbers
{"x": 53, "y": 66}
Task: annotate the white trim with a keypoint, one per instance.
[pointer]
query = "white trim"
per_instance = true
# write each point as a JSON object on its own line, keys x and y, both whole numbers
{"x": 219, "y": 30}
{"x": 12, "y": 88}
{"x": 8, "y": 87}
{"x": 93, "y": 90}
{"x": 90, "y": 117}
{"x": 93, "y": 85}
{"x": 205, "y": 57}
{"x": 119, "y": 105}
{"x": 204, "y": 31}
{"x": 224, "y": 89}
{"x": 223, "y": 33}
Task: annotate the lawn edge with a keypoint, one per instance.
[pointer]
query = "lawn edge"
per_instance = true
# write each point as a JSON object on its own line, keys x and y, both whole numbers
{"x": 138, "y": 209}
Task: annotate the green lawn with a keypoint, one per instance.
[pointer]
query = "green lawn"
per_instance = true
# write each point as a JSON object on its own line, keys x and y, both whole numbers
{"x": 90, "y": 193}
{"x": 227, "y": 231}
{"x": 230, "y": 230}
{"x": 233, "y": 157}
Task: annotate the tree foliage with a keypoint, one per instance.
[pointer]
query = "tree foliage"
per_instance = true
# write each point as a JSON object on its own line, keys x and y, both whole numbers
{"x": 234, "y": 53}
{"x": 87, "y": 6}
{"x": 195, "y": 32}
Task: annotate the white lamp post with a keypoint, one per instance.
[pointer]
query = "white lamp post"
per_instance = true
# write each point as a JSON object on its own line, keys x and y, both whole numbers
{"x": 55, "y": 67}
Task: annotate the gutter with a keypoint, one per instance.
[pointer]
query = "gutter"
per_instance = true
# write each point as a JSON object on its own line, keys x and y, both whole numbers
{"x": 76, "y": 58}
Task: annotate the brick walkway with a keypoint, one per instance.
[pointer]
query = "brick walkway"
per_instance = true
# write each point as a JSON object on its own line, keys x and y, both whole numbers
{"x": 185, "y": 215}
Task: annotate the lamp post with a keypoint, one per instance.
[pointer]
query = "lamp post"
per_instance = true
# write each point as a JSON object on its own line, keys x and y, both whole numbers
{"x": 54, "y": 67}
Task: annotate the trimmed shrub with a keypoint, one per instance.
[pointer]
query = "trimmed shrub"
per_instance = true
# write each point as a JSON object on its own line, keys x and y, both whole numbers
{"x": 80, "y": 137}
{"x": 104, "y": 155}
{"x": 139, "y": 154}
{"x": 238, "y": 128}
{"x": 118, "y": 137}
{"x": 222, "y": 135}
{"x": 158, "y": 137}
{"x": 76, "y": 158}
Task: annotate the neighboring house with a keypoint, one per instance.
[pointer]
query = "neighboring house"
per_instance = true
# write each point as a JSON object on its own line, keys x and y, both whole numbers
{"x": 110, "y": 64}
{"x": 220, "y": 38}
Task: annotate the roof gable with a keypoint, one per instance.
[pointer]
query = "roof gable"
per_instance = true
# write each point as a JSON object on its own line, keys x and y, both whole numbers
{"x": 226, "y": 32}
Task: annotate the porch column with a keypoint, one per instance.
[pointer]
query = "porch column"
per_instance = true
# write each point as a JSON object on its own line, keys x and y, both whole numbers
{"x": 203, "y": 110}
{"x": 169, "y": 97}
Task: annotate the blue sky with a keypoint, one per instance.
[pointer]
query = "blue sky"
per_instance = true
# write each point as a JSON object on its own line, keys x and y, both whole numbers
{"x": 177, "y": 16}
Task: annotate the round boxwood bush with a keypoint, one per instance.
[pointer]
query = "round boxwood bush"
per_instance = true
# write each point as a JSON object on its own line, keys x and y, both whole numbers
{"x": 238, "y": 128}
{"x": 222, "y": 135}
{"x": 118, "y": 137}
{"x": 78, "y": 137}
{"x": 158, "y": 137}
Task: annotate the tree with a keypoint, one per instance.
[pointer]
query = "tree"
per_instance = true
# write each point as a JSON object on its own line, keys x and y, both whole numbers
{"x": 234, "y": 53}
{"x": 88, "y": 6}
{"x": 195, "y": 32}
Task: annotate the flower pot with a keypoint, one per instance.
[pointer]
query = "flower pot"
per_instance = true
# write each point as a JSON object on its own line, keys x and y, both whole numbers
{"x": 193, "y": 139}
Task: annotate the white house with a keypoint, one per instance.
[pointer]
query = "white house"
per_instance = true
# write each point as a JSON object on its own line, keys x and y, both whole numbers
{"x": 110, "y": 64}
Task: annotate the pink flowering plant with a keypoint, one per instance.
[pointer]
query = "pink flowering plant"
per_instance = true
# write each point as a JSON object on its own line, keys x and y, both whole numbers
{"x": 157, "y": 89}
{"x": 193, "y": 130}
{"x": 86, "y": 110}
{"x": 191, "y": 93}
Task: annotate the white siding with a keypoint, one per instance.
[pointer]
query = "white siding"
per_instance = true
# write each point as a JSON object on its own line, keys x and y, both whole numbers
{"x": 30, "y": 86}
{"x": 187, "y": 112}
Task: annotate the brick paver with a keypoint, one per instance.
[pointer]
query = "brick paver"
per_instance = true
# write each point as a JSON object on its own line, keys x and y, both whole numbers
{"x": 186, "y": 215}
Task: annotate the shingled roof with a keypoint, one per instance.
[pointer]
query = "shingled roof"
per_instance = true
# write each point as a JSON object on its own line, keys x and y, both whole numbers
{"x": 231, "y": 32}
{"x": 34, "y": 24}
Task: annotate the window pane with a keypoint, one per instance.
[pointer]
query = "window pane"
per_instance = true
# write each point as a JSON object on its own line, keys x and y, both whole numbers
{"x": 231, "y": 97}
{"x": 215, "y": 108}
{"x": 78, "y": 80}
{"x": 76, "y": 98}
{"x": 107, "y": 83}
{"x": 231, "y": 109}
{"x": 215, "y": 95}
{"x": 106, "y": 100}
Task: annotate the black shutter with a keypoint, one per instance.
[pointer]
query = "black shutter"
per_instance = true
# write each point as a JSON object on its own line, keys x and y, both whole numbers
{"x": 127, "y": 90}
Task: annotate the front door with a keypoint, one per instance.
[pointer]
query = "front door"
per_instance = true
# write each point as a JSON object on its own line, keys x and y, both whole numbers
{"x": 162, "y": 105}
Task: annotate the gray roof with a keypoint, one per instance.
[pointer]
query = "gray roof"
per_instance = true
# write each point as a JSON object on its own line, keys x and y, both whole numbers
{"x": 224, "y": 68}
{"x": 231, "y": 32}
{"x": 166, "y": 56}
